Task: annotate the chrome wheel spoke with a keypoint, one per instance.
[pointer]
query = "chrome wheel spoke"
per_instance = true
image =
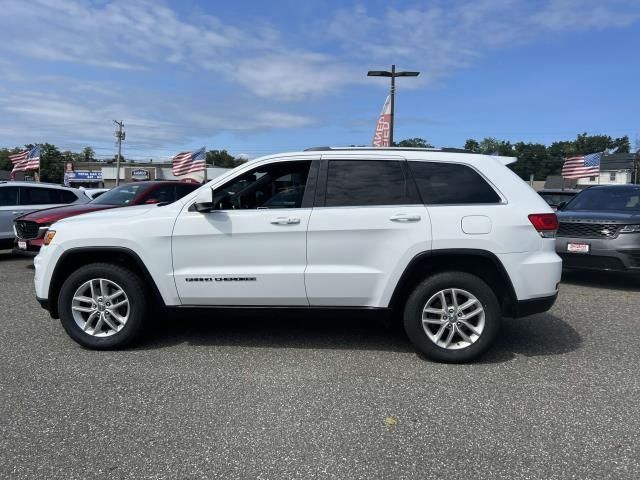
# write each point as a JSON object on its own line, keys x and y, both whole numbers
{"x": 470, "y": 315}
{"x": 119, "y": 304}
{"x": 440, "y": 332}
{"x": 470, "y": 327}
{"x": 118, "y": 317}
{"x": 468, "y": 303}
{"x": 452, "y": 332}
{"x": 464, "y": 336}
{"x": 434, "y": 321}
{"x": 115, "y": 295}
{"x": 108, "y": 321}
{"x": 434, "y": 311}
{"x": 454, "y": 297}
{"x": 443, "y": 299}
{"x": 78, "y": 308}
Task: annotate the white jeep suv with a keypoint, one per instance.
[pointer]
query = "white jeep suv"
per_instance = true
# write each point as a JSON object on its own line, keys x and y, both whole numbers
{"x": 453, "y": 241}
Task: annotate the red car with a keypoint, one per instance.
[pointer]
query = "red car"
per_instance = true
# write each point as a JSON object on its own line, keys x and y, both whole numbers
{"x": 31, "y": 228}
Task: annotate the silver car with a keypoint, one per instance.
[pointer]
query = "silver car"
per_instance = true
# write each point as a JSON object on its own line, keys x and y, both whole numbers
{"x": 19, "y": 198}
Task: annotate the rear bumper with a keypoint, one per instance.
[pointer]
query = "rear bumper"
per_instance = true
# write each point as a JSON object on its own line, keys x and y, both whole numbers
{"x": 621, "y": 254}
{"x": 524, "y": 308}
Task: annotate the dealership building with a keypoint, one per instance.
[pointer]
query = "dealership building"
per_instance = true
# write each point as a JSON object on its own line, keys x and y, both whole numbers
{"x": 102, "y": 175}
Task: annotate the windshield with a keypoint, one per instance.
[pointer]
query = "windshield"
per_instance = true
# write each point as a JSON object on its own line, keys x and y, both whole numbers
{"x": 122, "y": 195}
{"x": 615, "y": 198}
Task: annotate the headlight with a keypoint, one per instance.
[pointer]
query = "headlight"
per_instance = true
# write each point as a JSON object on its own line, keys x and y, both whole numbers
{"x": 48, "y": 238}
{"x": 630, "y": 229}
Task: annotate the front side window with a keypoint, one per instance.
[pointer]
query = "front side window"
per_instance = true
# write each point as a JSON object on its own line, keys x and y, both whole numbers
{"x": 8, "y": 196}
{"x": 276, "y": 185}
{"x": 451, "y": 184}
{"x": 353, "y": 183}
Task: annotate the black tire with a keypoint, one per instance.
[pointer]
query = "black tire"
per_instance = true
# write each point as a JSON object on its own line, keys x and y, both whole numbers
{"x": 133, "y": 287}
{"x": 424, "y": 291}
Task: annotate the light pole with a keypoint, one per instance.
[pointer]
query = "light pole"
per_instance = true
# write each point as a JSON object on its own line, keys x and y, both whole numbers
{"x": 393, "y": 74}
{"x": 120, "y": 136}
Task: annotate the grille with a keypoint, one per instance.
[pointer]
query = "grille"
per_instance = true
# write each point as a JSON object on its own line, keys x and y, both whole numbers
{"x": 589, "y": 230}
{"x": 27, "y": 230}
{"x": 576, "y": 260}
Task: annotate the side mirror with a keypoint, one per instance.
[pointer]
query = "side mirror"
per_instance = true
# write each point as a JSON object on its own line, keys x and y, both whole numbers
{"x": 561, "y": 205}
{"x": 204, "y": 200}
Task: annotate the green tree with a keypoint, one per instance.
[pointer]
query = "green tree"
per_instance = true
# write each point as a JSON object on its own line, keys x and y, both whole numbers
{"x": 222, "y": 158}
{"x": 88, "y": 154}
{"x": 51, "y": 163}
{"x": 472, "y": 145}
{"x": 413, "y": 143}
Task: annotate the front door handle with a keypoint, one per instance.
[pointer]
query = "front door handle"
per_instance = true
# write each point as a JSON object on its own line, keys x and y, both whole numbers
{"x": 285, "y": 221}
{"x": 403, "y": 217}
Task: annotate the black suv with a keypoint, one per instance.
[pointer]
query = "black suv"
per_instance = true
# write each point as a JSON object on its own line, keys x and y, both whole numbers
{"x": 600, "y": 229}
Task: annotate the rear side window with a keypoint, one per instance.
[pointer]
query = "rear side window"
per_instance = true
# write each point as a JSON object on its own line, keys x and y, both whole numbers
{"x": 8, "y": 196}
{"x": 67, "y": 197}
{"x": 43, "y": 196}
{"x": 451, "y": 184}
{"x": 352, "y": 183}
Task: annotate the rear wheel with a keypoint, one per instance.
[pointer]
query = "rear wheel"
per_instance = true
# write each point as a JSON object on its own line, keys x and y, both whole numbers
{"x": 102, "y": 306}
{"x": 452, "y": 317}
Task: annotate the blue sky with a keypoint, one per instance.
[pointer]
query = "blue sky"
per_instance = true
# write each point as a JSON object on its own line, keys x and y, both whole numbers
{"x": 258, "y": 77}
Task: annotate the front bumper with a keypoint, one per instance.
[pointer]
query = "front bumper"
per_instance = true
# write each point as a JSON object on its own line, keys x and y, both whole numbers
{"x": 620, "y": 254}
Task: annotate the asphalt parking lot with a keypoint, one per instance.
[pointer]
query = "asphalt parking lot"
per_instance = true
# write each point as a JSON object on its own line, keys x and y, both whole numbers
{"x": 267, "y": 396}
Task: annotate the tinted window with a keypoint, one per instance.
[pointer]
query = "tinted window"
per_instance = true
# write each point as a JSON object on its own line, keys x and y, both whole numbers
{"x": 451, "y": 184}
{"x": 279, "y": 185}
{"x": 183, "y": 189}
{"x": 8, "y": 196}
{"x": 161, "y": 194}
{"x": 613, "y": 198}
{"x": 67, "y": 197}
{"x": 122, "y": 195}
{"x": 353, "y": 183}
{"x": 40, "y": 196}
{"x": 556, "y": 198}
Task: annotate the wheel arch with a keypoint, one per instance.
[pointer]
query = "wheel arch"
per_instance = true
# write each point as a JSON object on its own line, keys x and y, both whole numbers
{"x": 482, "y": 263}
{"x": 74, "y": 258}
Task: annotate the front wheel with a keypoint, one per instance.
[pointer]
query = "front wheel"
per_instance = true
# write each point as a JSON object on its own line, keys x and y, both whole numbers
{"x": 102, "y": 306}
{"x": 452, "y": 317}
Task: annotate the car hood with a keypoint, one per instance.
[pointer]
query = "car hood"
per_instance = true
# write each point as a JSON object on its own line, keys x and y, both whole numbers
{"x": 610, "y": 216}
{"x": 50, "y": 215}
{"x": 112, "y": 214}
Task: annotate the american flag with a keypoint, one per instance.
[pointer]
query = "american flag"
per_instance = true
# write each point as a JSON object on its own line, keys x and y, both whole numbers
{"x": 20, "y": 161}
{"x": 189, "y": 162}
{"x": 26, "y": 160}
{"x": 583, "y": 166}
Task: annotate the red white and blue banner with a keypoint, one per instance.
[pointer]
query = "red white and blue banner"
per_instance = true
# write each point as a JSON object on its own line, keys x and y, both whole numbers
{"x": 189, "y": 162}
{"x": 383, "y": 127}
{"x": 25, "y": 160}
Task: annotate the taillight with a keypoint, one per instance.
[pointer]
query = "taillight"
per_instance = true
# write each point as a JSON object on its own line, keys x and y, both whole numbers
{"x": 545, "y": 223}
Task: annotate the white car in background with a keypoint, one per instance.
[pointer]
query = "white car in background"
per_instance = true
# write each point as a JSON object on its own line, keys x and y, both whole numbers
{"x": 20, "y": 198}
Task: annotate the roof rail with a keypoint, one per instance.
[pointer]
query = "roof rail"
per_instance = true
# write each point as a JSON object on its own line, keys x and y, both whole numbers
{"x": 411, "y": 149}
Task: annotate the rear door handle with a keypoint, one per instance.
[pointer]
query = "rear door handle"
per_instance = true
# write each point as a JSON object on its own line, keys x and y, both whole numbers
{"x": 285, "y": 221}
{"x": 403, "y": 217}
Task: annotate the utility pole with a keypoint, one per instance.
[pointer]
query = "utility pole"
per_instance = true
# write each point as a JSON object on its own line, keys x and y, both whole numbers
{"x": 392, "y": 74}
{"x": 120, "y": 136}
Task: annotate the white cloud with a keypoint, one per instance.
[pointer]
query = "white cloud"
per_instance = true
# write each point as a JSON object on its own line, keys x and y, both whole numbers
{"x": 121, "y": 59}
